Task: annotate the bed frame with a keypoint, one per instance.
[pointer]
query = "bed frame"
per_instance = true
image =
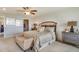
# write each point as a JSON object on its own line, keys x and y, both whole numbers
{"x": 49, "y": 24}
{"x": 46, "y": 24}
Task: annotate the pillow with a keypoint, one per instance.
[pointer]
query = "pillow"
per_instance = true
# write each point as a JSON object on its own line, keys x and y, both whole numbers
{"x": 41, "y": 29}
{"x": 50, "y": 29}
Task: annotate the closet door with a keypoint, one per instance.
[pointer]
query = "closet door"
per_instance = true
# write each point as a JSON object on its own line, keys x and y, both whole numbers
{"x": 19, "y": 25}
{"x": 9, "y": 27}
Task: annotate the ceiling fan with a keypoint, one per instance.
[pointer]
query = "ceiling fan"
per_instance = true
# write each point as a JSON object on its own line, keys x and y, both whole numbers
{"x": 27, "y": 11}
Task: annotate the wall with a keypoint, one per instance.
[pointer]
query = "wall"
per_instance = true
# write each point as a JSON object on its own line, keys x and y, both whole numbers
{"x": 61, "y": 17}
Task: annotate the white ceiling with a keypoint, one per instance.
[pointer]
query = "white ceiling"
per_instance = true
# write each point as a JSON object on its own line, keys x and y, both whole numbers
{"x": 41, "y": 10}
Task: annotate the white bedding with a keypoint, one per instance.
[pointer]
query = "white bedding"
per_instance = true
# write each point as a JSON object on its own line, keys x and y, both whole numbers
{"x": 43, "y": 39}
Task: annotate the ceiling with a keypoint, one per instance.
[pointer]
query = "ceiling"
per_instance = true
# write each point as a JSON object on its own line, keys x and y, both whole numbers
{"x": 41, "y": 10}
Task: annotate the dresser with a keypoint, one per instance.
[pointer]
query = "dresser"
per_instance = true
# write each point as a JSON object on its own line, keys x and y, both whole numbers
{"x": 70, "y": 37}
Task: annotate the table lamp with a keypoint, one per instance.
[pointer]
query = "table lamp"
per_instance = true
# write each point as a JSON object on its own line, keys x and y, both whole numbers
{"x": 72, "y": 24}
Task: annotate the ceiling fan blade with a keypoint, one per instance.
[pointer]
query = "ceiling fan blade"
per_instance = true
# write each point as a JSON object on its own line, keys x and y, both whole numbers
{"x": 33, "y": 10}
{"x": 24, "y": 8}
{"x": 33, "y": 13}
{"x": 27, "y": 9}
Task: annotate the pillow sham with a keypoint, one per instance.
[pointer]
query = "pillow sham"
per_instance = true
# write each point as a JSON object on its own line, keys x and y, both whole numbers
{"x": 50, "y": 29}
{"x": 41, "y": 29}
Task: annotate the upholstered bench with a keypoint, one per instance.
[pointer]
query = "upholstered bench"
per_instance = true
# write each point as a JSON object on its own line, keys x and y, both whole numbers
{"x": 24, "y": 43}
{"x": 25, "y": 40}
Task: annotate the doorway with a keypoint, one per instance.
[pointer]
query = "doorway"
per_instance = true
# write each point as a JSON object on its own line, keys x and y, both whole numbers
{"x": 1, "y": 27}
{"x": 26, "y": 24}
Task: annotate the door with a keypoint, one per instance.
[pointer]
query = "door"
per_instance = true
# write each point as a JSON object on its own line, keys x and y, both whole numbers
{"x": 26, "y": 24}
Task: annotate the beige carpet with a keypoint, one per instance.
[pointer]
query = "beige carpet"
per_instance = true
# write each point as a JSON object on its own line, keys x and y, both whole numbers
{"x": 60, "y": 47}
{"x": 9, "y": 45}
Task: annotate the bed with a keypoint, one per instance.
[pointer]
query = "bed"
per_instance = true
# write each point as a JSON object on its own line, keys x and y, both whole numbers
{"x": 46, "y": 36}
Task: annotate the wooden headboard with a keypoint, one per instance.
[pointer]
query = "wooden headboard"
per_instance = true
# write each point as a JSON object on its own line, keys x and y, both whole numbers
{"x": 49, "y": 24}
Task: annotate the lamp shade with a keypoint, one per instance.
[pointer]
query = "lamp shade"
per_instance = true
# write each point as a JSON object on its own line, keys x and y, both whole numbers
{"x": 72, "y": 23}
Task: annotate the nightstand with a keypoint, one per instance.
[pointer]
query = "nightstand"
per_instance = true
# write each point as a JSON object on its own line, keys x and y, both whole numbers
{"x": 71, "y": 37}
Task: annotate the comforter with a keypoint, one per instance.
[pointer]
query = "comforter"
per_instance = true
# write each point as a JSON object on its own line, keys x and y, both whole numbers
{"x": 44, "y": 39}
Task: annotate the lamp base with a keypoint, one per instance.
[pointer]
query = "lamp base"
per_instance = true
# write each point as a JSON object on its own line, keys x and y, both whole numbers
{"x": 71, "y": 29}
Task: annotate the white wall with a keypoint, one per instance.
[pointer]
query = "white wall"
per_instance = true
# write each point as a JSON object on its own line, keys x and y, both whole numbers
{"x": 61, "y": 17}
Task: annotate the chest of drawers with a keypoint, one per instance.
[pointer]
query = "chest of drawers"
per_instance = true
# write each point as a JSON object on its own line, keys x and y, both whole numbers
{"x": 71, "y": 37}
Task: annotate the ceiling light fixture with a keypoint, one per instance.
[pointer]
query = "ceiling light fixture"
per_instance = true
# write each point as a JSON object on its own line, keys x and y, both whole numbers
{"x": 27, "y": 13}
{"x": 4, "y": 9}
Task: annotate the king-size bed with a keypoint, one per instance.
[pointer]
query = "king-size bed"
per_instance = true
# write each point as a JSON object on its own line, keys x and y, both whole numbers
{"x": 46, "y": 36}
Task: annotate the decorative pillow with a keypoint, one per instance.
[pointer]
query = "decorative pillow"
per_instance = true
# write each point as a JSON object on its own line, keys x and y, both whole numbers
{"x": 51, "y": 29}
{"x": 41, "y": 29}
